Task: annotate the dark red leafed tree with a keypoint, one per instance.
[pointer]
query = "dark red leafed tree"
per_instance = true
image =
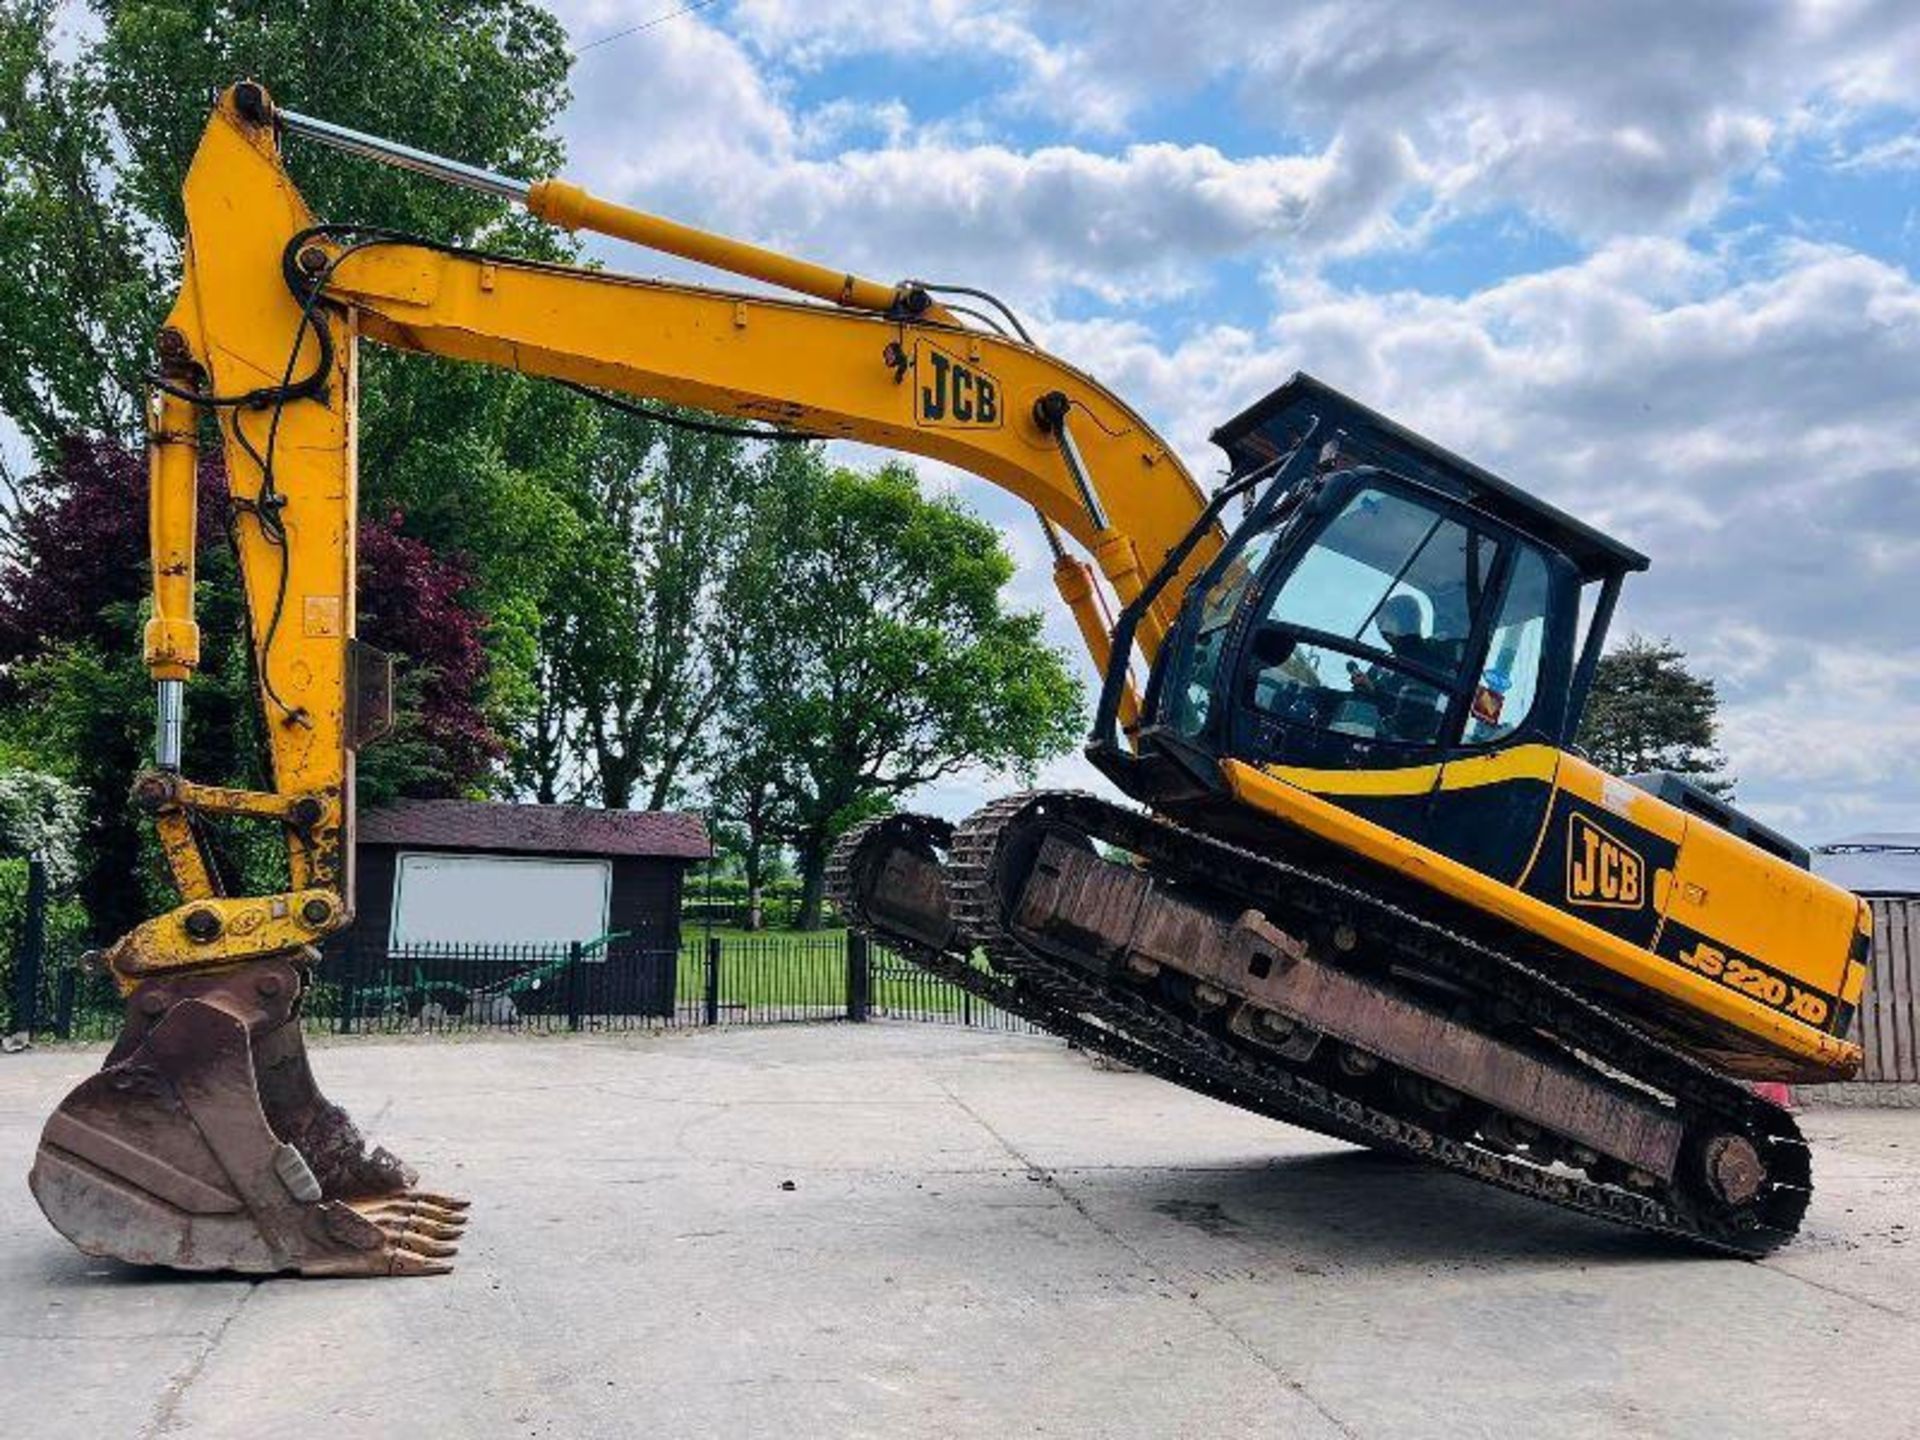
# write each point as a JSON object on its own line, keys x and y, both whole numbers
{"x": 77, "y": 572}
{"x": 74, "y": 694}
{"x": 77, "y": 559}
{"x": 411, "y": 606}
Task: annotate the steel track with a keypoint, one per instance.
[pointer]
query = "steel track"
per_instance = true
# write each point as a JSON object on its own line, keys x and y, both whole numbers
{"x": 1123, "y": 1021}
{"x": 1031, "y": 997}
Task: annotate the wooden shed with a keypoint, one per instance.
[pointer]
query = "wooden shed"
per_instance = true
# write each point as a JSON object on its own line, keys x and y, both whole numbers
{"x": 473, "y": 886}
{"x": 1884, "y": 870}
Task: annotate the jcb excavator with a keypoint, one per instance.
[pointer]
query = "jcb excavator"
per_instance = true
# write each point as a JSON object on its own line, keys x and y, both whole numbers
{"x": 1372, "y": 888}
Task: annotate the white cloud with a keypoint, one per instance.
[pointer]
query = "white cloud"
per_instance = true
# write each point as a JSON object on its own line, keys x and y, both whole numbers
{"x": 1740, "y": 411}
{"x": 1754, "y": 433}
{"x": 1603, "y": 119}
{"x": 689, "y": 125}
{"x": 1901, "y": 152}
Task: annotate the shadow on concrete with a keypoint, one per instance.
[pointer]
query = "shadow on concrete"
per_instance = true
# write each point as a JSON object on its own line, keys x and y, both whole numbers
{"x": 1358, "y": 1207}
{"x": 57, "y": 1266}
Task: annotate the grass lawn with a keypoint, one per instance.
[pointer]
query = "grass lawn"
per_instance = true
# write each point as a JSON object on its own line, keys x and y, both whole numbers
{"x": 801, "y": 969}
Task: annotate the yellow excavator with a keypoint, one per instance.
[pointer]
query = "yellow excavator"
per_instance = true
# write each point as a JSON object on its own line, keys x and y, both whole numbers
{"x": 1370, "y": 888}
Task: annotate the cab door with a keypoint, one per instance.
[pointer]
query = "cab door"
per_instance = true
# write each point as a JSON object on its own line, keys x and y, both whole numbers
{"x": 1496, "y": 785}
{"x": 1351, "y": 656}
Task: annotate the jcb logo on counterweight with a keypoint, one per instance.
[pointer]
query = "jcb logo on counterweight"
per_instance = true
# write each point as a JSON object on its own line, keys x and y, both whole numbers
{"x": 952, "y": 393}
{"x": 1600, "y": 870}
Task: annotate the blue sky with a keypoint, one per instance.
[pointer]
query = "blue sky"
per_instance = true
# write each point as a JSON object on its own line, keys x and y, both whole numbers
{"x": 1656, "y": 262}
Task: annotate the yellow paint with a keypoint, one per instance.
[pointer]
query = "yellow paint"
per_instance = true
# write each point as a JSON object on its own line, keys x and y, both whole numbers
{"x": 1523, "y": 762}
{"x": 172, "y": 642}
{"x": 1764, "y": 907}
{"x": 1081, "y": 595}
{"x": 1799, "y": 1048}
{"x": 561, "y": 203}
{"x": 1407, "y": 780}
{"x": 807, "y": 366}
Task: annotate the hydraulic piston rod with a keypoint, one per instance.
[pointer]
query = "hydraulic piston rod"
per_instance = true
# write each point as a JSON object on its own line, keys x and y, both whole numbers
{"x": 392, "y": 152}
{"x": 559, "y": 202}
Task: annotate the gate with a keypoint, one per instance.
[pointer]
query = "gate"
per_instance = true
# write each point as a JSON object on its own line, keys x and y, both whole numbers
{"x": 1889, "y": 1026}
{"x": 899, "y": 989}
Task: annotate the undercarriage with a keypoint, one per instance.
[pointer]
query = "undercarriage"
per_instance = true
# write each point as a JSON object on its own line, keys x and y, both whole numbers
{"x": 1290, "y": 990}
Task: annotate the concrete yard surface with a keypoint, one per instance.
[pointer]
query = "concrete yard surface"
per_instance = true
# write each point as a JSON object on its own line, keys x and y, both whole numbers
{"x": 901, "y": 1230}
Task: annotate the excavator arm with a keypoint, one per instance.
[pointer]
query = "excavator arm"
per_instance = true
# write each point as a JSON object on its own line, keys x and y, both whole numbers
{"x": 205, "y": 1143}
{"x": 265, "y": 335}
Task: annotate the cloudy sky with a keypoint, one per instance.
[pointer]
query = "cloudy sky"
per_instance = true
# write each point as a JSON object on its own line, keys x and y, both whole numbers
{"x": 1655, "y": 261}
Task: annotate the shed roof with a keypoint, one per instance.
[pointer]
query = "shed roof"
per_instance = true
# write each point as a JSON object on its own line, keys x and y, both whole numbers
{"x": 1879, "y": 864}
{"x": 537, "y": 829}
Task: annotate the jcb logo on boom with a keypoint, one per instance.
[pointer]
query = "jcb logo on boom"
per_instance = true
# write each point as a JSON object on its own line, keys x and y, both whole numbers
{"x": 950, "y": 392}
{"x": 1600, "y": 870}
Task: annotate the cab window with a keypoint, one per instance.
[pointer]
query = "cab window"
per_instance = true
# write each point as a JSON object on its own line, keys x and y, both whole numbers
{"x": 1504, "y": 696}
{"x": 1394, "y": 576}
{"x": 1368, "y": 634}
{"x": 1192, "y": 698}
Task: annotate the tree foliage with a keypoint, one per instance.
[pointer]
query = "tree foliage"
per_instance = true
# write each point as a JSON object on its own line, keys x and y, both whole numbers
{"x": 80, "y": 288}
{"x": 883, "y": 658}
{"x": 410, "y": 603}
{"x": 40, "y": 819}
{"x": 482, "y": 80}
{"x": 75, "y": 697}
{"x": 645, "y": 637}
{"x": 93, "y": 151}
{"x": 1648, "y": 711}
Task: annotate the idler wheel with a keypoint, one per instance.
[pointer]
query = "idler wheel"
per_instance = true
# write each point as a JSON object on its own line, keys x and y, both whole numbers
{"x": 1734, "y": 1170}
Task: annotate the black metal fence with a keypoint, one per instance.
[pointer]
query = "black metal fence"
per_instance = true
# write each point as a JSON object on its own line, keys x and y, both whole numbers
{"x": 706, "y": 979}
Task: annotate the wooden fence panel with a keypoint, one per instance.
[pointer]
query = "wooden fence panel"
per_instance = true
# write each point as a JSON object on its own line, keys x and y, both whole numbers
{"x": 1889, "y": 1024}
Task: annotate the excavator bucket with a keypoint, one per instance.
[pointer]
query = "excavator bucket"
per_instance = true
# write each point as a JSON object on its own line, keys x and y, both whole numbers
{"x": 204, "y": 1144}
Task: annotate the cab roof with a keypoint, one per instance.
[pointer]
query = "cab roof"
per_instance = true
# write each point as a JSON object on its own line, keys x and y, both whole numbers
{"x": 1272, "y": 426}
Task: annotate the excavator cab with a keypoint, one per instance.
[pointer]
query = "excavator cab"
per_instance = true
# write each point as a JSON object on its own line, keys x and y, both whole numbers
{"x": 1385, "y": 665}
{"x": 1384, "y": 609}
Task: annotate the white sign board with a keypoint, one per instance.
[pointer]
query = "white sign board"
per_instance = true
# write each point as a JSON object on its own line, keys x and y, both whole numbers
{"x": 497, "y": 900}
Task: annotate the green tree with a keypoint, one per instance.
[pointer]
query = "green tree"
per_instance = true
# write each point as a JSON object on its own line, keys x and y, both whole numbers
{"x": 475, "y": 458}
{"x": 746, "y": 797}
{"x": 883, "y": 658}
{"x": 92, "y": 153}
{"x": 40, "y": 820}
{"x": 482, "y": 80}
{"x": 644, "y": 641}
{"x": 80, "y": 289}
{"x": 1648, "y": 711}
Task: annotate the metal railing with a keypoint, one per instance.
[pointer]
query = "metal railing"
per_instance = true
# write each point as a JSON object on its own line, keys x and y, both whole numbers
{"x": 631, "y": 982}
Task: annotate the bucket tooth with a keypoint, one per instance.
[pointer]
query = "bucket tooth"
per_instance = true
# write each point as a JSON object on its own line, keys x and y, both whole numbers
{"x": 204, "y": 1144}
